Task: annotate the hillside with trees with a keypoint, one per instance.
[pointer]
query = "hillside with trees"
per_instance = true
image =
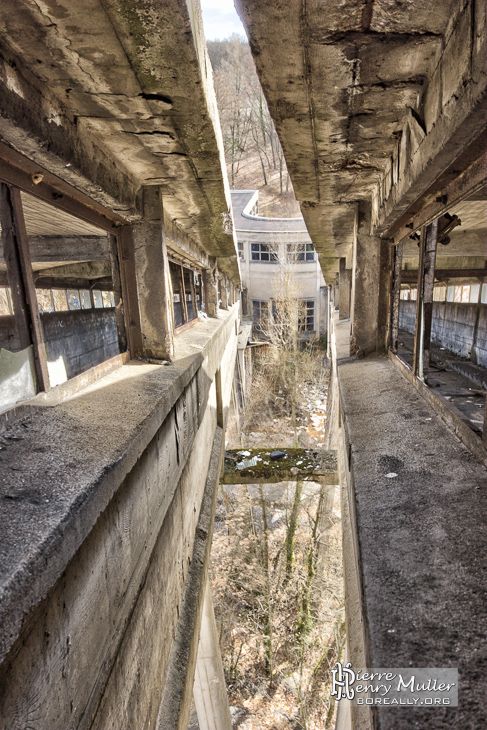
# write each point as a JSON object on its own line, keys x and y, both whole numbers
{"x": 252, "y": 149}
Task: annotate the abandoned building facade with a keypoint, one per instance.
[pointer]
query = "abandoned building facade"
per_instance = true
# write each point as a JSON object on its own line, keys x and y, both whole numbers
{"x": 274, "y": 250}
{"x": 120, "y": 314}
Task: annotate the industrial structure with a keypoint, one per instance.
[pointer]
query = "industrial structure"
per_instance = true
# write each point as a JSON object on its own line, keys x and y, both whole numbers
{"x": 116, "y": 234}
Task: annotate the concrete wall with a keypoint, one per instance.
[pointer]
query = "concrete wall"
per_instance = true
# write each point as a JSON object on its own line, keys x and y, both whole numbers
{"x": 461, "y": 328}
{"x": 83, "y": 338}
{"x": 95, "y": 626}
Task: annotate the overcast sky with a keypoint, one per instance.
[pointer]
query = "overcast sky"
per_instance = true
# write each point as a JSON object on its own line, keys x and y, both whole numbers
{"x": 220, "y": 19}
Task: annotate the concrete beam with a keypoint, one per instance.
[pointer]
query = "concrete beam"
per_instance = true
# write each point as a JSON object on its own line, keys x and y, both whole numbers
{"x": 133, "y": 106}
{"x": 296, "y": 464}
{"x": 82, "y": 270}
{"x": 209, "y": 690}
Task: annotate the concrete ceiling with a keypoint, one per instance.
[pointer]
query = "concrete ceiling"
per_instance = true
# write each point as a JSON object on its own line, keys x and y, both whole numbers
{"x": 339, "y": 77}
{"x": 133, "y": 78}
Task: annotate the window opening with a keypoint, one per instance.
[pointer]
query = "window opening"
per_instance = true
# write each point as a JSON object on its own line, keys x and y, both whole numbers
{"x": 297, "y": 252}
{"x": 263, "y": 252}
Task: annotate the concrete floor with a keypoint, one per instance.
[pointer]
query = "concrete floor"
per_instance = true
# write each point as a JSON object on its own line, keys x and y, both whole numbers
{"x": 421, "y": 539}
{"x": 458, "y": 380}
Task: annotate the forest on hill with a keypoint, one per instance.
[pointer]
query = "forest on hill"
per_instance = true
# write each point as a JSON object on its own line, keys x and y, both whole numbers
{"x": 253, "y": 153}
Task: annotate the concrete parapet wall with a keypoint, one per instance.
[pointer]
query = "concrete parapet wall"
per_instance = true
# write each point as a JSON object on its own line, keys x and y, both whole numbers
{"x": 92, "y": 594}
{"x": 461, "y": 328}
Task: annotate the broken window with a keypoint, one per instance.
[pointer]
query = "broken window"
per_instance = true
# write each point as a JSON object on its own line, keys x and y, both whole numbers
{"x": 260, "y": 311}
{"x": 187, "y": 288}
{"x": 307, "y": 316}
{"x": 297, "y": 252}
{"x": 263, "y": 252}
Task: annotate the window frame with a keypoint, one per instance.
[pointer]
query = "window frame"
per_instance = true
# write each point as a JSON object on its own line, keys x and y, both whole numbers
{"x": 257, "y": 250}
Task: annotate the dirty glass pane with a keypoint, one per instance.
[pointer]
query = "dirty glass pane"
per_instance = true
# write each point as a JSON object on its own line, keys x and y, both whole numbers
{"x": 60, "y": 300}
{"x": 105, "y": 295}
{"x": 44, "y": 300}
{"x": 98, "y": 299}
{"x": 73, "y": 299}
{"x": 5, "y": 302}
{"x": 85, "y": 300}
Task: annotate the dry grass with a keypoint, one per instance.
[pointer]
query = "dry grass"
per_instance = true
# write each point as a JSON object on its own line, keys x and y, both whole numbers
{"x": 300, "y": 693}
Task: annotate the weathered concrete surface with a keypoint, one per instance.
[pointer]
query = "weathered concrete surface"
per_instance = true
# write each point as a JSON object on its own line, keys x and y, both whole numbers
{"x": 370, "y": 100}
{"x": 420, "y": 539}
{"x": 176, "y": 699}
{"x": 123, "y": 92}
{"x": 209, "y": 690}
{"x": 97, "y": 535}
{"x": 153, "y": 278}
{"x": 366, "y": 288}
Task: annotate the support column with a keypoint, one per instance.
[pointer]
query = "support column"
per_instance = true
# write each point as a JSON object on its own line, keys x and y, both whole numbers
{"x": 424, "y": 303}
{"x": 344, "y": 291}
{"x": 153, "y": 283}
{"x": 224, "y": 291}
{"x": 329, "y": 314}
{"x": 209, "y": 690}
{"x": 369, "y": 287}
{"x": 211, "y": 292}
{"x": 396, "y": 296}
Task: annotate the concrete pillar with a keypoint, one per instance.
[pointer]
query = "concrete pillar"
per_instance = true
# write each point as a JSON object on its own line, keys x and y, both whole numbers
{"x": 369, "y": 287}
{"x": 211, "y": 292}
{"x": 344, "y": 291}
{"x": 329, "y": 314}
{"x": 153, "y": 282}
{"x": 209, "y": 690}
{"x": 224, "y": 290}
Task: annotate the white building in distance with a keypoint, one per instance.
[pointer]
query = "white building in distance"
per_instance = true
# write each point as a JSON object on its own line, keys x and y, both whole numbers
{"x": 264, "y": 244}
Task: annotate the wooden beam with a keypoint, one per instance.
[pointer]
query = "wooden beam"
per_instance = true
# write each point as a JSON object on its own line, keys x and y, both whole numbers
{"x": 117, "y": 292}
{"x": 68, "y": 248}
{"x": 184, "y": 305}
{"x": 418, "y": 335}
{"x": 18, "y": 170}
{"x": 32, "y": 307}
{"x": 428, "y": 288}
{"x": 72, "y": 249}
{"x": 54, "y": 282}
{"x": 448, "y": 190}
{"x": 129, "y": 290}
{"x": 410, "y": 276}
{"x": 12, "y": 277}
{"x": 396, "y": 294}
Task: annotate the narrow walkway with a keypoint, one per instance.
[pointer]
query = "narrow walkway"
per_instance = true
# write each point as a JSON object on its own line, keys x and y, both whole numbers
{"x": 420, "y": 501}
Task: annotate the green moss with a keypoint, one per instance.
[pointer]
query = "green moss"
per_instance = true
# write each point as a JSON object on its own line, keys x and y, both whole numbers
{"x": 135, "y": 22}
{"x": 304, "y": 460}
